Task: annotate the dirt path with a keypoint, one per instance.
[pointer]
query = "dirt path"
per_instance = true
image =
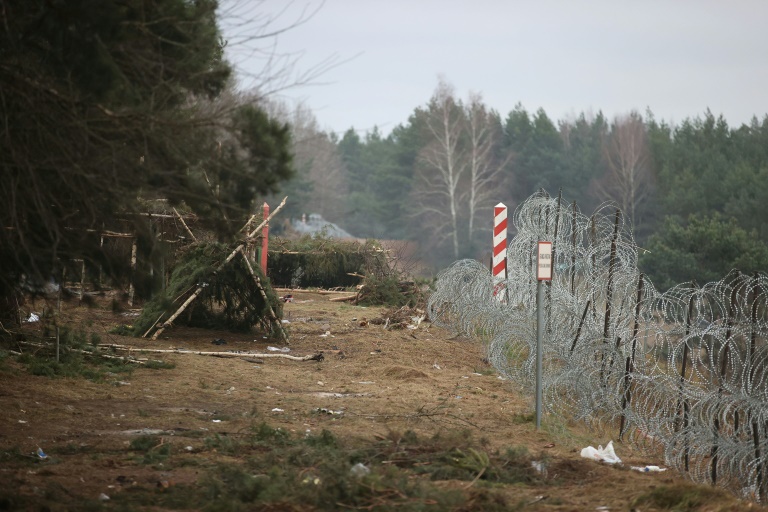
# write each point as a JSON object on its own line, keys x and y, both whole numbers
{"x": 373, "y": 385}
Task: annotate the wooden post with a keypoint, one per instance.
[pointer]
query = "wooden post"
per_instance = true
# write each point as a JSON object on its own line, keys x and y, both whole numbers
{"x": 58, "y": 313}
{"x": 131, "y": 286}
{"x": 723, "y": 369}
{"x": 611, "y": 268}
{"x": 264, "y": 240}
{"x": 682, "y": 401}
{"x": 101, "y": 267}
{"x": 630, "y": 365}
{"x": 751, "y": 365}
{"x": 573, "y": 255}
{"x": 609, "y": 293}
{"x": 581, "y": 324}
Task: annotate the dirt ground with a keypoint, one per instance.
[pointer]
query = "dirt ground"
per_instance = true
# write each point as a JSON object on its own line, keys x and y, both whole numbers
{"x": 372, "y": 382}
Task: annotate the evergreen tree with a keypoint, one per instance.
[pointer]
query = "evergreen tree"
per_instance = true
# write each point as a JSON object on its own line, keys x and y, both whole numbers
{"x": 104, "y": 102}
{"x": 704, "y": 248}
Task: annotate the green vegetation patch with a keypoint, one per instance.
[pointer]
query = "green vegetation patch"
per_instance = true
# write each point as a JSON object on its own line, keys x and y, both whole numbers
{"x": 268, "y": 468}
{"x": 324, "y": 262}
{"x": 680, "y": 498}
{"x": 229, "y": 299}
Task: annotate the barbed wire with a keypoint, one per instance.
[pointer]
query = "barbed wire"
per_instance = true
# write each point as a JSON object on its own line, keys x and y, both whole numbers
{"x": 682, "y": 371}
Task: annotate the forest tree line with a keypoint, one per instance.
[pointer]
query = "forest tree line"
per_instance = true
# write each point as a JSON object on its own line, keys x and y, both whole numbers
{"x": 104, "y": 107}
{"x": 693, "y": 192}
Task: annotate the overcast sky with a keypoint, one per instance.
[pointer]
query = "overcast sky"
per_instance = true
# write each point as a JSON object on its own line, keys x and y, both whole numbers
{"x": 676, "y": 57}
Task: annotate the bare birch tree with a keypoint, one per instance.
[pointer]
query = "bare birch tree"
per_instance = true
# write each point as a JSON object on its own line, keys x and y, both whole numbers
{"x": 484, "y": 132}
{"x": 443, "y": 162}
{"x": 628, "y": 179}
{"x": 317, "y": 162}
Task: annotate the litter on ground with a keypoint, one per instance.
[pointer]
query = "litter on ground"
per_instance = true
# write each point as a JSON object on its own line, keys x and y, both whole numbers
{"x": 600, "y": 454}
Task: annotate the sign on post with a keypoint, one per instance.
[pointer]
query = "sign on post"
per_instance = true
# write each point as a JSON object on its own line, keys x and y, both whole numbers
{"x": 544, "y": 265}
{"x": 543, "y": 273}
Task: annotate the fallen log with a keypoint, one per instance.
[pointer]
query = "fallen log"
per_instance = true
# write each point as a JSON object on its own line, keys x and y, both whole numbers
{"x": 311, "y": 357}
{"x": 125, "y": 359}
{"x": 343, "y": 299}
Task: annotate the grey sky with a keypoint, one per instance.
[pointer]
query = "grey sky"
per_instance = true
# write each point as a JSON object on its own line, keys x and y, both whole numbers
{"x": 676, "y": 57}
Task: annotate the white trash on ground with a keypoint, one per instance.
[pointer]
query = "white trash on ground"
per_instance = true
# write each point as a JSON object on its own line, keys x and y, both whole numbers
{"x": 359, "y": 470}
{"x": 600, "y": 454}
{"x": 649, "y": 469}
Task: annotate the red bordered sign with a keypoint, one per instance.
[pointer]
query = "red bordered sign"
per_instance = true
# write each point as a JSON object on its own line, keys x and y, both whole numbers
{"x": 544, "y": 262}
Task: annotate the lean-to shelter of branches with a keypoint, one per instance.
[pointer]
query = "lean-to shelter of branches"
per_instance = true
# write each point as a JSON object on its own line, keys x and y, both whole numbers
{"x": 211, "y": 288}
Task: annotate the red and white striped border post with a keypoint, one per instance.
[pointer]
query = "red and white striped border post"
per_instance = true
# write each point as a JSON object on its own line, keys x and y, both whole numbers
{"x": 499, "y": 265}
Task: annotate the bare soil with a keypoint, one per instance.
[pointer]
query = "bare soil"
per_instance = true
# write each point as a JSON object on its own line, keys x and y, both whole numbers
{"x": 375, "y": 383}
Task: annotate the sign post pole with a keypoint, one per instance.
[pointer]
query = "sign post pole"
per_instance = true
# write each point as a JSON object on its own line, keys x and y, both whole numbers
{"x": 543, "y": 273}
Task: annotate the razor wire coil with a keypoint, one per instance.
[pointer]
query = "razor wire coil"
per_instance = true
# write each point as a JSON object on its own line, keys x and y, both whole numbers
{"x": 682, "y": 370}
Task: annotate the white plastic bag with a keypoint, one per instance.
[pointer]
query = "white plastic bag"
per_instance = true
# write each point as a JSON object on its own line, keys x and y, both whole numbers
{"x": 607, "y": 454}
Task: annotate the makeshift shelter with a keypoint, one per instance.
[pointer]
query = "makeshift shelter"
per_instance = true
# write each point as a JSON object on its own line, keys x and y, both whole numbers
{"x": 217, "y": 287}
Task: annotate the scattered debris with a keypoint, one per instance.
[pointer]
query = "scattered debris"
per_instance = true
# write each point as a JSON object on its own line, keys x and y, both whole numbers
{"x": 103, "y": 497}
{"x": 277, "y": 409}
{"x": 359, "y": 470}
{"x": 325, "y": 394}
{"x": 607, "y": 454}
{"x": 146, "y": 432}
{"x": 41, "y": 454}
{"x": 33, "y": 317}
{"x": 311, "y": 480}
{"x": 276, "y": 349}
{"x": 287, "y": 298}
{"x": 330, "y": 412}
{"x": 649, "y": 469}
{"x": 539, "y": 466}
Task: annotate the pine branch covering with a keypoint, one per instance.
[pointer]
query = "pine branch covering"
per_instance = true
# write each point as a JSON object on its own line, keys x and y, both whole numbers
{"x": 324, "y": 262}
{"x": 230, "y": 299}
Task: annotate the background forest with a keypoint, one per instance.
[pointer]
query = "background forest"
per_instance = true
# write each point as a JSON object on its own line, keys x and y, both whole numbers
{"x": 694, "y": 192}
{"x": 106, "y": 108}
